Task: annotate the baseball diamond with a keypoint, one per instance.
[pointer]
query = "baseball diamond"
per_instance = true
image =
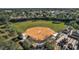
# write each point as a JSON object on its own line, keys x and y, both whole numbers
{"x": 39, "y": 33}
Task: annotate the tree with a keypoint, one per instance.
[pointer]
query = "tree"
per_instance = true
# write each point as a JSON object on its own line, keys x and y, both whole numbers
{"x": 49, "y": 45}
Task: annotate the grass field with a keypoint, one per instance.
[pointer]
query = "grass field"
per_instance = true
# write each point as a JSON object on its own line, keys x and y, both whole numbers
{"x": 22, "y": 26}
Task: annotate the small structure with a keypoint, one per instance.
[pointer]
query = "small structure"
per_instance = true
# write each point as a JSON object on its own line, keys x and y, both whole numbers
{"x": 22, "y": 37}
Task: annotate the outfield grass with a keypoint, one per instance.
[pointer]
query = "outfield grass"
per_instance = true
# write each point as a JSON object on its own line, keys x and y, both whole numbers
{"x": 22, "y": 26}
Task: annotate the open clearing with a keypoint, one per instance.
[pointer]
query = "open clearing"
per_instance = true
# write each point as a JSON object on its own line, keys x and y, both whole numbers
{"x": 22, "y": 26}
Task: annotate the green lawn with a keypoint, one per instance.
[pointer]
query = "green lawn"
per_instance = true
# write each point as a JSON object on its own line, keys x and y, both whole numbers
{"x": 22, "y": 26}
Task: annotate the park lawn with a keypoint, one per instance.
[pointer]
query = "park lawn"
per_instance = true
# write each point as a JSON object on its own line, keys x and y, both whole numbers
{"x": 22, "y": 26}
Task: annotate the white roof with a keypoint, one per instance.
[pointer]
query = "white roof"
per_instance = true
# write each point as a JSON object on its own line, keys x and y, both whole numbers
{"x": 55, "y": 34}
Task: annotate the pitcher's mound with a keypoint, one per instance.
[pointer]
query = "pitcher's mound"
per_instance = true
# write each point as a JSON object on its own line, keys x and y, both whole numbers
{"x": 39, "y": 33}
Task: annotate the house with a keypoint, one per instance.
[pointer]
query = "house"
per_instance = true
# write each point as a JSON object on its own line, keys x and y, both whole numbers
{"x": 75, "y": 35}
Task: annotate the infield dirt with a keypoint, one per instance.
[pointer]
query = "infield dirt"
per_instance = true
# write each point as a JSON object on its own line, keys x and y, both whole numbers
{"x": 39, "y": 33}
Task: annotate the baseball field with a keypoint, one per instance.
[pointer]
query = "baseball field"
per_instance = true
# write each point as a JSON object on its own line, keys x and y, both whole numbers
{"x": 23, "y": 26}
{"x": 39, "y": 33}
